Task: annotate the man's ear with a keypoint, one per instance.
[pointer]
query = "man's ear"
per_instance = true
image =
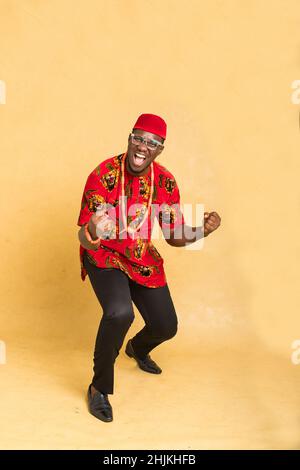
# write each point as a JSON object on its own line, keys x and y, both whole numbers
{"x": 160, "y": 150}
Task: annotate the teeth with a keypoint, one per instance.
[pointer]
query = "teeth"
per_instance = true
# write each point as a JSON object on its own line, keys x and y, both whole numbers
{"x": 140, "y": 155}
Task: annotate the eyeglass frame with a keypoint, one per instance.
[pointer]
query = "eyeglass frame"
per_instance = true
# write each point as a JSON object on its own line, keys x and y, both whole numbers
{"x": 145, "y": 140}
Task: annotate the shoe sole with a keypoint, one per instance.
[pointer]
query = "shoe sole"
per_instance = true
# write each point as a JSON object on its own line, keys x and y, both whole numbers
{"x": 101, "y": 419}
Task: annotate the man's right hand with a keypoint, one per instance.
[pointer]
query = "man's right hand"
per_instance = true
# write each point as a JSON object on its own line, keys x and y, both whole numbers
{"x": 92, "y": 225}
{"x": 100, "y": 225}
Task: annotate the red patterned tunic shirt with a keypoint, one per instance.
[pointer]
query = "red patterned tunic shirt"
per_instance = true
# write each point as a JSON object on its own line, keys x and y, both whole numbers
{"x": 134, "y": 254}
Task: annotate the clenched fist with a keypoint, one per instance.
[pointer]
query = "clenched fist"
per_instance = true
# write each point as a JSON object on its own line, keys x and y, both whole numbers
{"x": 212, "y": 220}
{"x": 101, "y": 225}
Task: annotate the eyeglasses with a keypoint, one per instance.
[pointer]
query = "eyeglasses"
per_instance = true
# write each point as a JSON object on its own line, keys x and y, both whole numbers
{"x": 150, "y": 143}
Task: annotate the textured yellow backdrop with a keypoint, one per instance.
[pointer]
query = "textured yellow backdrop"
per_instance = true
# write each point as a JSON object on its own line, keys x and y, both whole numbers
{"x": 77, "y": 74}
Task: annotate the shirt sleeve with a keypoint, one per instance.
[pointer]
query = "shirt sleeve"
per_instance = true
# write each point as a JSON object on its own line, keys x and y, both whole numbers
{"x": 170, "y": 215}
{"x": 94, "y": 195}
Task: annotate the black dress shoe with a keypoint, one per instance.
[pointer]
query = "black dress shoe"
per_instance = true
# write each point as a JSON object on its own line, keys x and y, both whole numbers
{"x": 146, "y": 364}
{"x": 99, "y": 406}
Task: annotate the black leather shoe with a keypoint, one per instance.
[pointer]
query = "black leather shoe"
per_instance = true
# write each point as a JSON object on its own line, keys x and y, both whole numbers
{"x": 146, "y": 364}
{"x": 99, "y": 406}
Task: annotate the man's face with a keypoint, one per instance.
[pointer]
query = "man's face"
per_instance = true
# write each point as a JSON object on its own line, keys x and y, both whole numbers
{"x": 139, "y": 155}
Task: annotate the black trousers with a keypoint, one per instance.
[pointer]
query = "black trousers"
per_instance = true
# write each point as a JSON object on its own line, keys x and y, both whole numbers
{"x": 115, "y": 292}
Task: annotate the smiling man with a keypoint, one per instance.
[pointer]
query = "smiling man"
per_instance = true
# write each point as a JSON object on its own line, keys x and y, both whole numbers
{"x": 121, "y": 198}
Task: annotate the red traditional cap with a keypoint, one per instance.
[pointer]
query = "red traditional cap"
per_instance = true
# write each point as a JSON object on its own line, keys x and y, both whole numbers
{"x": 152, "y": 123}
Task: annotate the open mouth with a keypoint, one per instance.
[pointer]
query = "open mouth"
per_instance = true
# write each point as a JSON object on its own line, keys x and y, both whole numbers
{"x": 138, "y": 159}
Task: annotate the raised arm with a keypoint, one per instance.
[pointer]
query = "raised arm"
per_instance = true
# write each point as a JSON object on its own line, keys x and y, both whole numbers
{"x": 185, "y": 234}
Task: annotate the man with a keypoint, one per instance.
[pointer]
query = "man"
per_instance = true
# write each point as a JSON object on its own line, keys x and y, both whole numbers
{"x": 122, "y": 263}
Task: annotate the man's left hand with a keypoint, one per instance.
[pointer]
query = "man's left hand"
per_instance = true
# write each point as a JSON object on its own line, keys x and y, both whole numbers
{"x": 212, "y": 220}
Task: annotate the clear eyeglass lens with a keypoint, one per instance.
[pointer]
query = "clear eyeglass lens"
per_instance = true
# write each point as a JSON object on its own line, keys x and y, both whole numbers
{"x": 150, "y": 143}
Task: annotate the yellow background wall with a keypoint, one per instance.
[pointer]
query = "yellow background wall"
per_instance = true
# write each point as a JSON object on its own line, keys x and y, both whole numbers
{"x": 78, "y": 73}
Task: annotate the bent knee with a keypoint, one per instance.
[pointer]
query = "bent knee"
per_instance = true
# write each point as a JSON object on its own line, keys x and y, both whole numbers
{"x": 172, "y": 332}
{"x": 168, "y": 332}
{"x": 120, "y": 315}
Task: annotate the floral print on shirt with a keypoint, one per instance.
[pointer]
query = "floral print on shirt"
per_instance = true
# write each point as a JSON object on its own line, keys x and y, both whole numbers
{"x": 136, "y": 256}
